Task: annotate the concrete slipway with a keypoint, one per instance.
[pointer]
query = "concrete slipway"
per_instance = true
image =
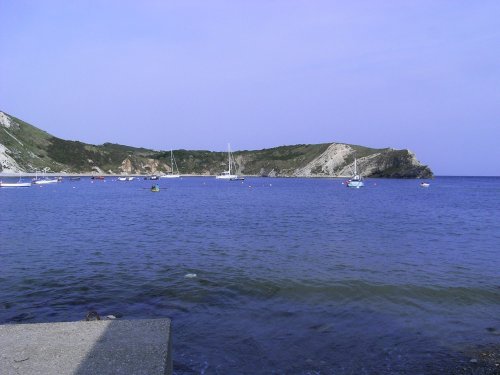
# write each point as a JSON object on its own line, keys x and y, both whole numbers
{"x": 140, "y": 347}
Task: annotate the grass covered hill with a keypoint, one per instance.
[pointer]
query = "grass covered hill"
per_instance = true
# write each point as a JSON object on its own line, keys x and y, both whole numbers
{"x": 25, "y": 148}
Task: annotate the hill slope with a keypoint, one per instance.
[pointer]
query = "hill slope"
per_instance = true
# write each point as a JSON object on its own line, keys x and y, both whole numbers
{"x": 25, "y": 148}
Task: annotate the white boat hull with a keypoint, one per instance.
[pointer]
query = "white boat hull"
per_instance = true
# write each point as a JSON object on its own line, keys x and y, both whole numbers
{"x": 227, "y": 175}
{"x": 356, "y": 181}
{"x": 45, "y": 182}
{"x": 14, "y": 184}
{"x": 355, "y": 184}
{"x": 171, "y": 176}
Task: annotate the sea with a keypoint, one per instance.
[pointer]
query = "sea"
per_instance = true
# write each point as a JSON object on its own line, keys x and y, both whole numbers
{"x": 267, "y": 275}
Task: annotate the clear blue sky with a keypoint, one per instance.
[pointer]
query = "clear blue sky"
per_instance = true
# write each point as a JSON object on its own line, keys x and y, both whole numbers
{"x": 417, "y": 74}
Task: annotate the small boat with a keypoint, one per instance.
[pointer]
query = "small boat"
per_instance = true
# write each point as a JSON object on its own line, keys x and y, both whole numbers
{"x": 75, "y": 178}
{"x": 45, "y": 180}
{"x": 154, "y": 177}
{"x": 14, "y": 184}
{"x": 227, "y": 175}
{"x": 97, "y": 178}
{"x": 425, "y": 184}
{"x": 126, "y": 178}
{"x": 19, "y": 183}
{"x": 155, "y": 188}
{"x": 173, "y": 166}
{"x": 356, "y": 181}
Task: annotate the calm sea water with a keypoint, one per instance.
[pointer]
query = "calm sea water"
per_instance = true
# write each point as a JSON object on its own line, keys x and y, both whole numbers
{"x": 293, "y": 276}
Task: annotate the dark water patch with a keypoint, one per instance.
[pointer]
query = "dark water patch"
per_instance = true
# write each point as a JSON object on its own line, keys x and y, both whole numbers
{"x": 361, "y": 290}
{"x": 21, "y": 318}
{"x": 6, "y": 305}
{"x": 98, "y": 263}
{"x": 54, "y": 272}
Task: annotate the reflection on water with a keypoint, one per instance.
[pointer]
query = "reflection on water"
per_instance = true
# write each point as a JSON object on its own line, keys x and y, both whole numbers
{"x": 286, "y": 276}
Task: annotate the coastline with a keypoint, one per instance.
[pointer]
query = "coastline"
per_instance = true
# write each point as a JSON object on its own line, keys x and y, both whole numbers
{"x": 31, "y": 174}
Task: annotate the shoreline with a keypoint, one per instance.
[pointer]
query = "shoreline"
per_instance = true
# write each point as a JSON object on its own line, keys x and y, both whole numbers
{"x": 54, "y": 174}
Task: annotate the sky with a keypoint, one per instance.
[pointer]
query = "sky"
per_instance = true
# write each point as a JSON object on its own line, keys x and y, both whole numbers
{"x": 416, "y": 74}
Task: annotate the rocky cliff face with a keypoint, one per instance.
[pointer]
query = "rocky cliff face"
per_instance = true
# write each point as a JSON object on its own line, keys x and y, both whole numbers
{"x": 338, "y": 161}
{"x": 22, "y": 146}
{"x": 25, "y": 148}
{"x": 132, "y": 165}
{"x": 332, "y": 162}
{"x": 7, "y": 162}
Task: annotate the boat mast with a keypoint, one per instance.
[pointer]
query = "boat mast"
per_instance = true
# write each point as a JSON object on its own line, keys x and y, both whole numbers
{"x": 172, "y": 161}
{"x": 229, "y": 156}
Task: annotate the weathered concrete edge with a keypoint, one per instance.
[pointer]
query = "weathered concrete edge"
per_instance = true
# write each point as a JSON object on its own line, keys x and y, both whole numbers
{"x": 81, "y": 348}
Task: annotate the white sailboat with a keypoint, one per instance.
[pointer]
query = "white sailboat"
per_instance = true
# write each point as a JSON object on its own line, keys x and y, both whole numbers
{"x": 44, "y": 180}
{"x": 173, "y": 163}
{"x": 15, "y": 184}
{"x": 356, "y": 181}
{"x": 228, "y": 175}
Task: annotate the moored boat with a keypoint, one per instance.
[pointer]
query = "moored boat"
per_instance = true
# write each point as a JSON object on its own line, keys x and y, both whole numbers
{"x": 357, "y": 180}
{"x": 174, "y": 173}
{"x": 129, "y": 178}
{"x": 19, "y": 183}
{"x": 45, "y": 181}
{"x": 14, "y": 184}
{"x": 227, "y": 175}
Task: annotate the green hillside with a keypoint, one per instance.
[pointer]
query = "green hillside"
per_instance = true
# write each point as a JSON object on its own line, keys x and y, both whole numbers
{"x": 27, "y": 148}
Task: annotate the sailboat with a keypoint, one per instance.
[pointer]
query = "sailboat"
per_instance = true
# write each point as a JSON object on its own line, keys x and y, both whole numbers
{"x": 356, "y": 181}
{"x": 44, "y": 180}
{"x": 174, "y": 168}
{"x": 227, "y": 175}
{"x": 15, "y": 184}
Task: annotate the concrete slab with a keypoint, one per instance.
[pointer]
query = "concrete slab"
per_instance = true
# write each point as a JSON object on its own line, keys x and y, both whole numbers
{"x": 141, "y": 347}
